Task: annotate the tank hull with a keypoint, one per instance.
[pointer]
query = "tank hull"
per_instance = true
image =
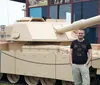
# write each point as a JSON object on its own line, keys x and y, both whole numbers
{"x": 39, "y": 61}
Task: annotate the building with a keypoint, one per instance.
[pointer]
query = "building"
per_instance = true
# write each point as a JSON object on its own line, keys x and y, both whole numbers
{"x": 57, "y": 9}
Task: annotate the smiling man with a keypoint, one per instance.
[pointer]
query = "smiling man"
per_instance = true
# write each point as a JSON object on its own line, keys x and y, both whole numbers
{"x": 80, "y": 57}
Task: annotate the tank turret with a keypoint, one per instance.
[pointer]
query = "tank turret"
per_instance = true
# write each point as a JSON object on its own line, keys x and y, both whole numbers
{"x": 36, "y": 29}
{"x": 39, "y": 50}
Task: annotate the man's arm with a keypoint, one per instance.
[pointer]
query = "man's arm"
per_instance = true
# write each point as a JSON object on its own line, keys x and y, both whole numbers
{"x": 89, "y": 56}
{"x": 70, "y": 56}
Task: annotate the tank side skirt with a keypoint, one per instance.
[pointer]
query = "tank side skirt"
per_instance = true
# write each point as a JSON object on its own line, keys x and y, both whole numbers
{"x": 34, "y": 61}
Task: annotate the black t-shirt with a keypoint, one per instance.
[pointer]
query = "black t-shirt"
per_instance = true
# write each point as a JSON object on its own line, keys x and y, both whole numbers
{"x": 79, "y": 51}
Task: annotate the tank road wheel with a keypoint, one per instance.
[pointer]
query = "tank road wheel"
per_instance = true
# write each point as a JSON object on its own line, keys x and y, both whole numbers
{"x": 13, "y": 78}
{"x": 1, "y": 75}
{"x": 31, "y": 80}
{"x": 47, "y": 81}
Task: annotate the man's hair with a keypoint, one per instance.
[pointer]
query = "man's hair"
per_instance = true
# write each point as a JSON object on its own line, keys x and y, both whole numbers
{"x": 82, "y": 30}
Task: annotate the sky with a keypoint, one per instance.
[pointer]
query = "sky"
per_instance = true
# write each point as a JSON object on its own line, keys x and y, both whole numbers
{"x": 10, "y": 11}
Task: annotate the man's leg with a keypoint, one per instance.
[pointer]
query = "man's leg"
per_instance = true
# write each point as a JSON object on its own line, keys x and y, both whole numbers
{"x": 76, "y": 74}
{"x": 85, "y": 75}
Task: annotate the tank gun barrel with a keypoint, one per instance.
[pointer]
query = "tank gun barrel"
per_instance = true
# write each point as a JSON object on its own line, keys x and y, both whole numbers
{"x": 81, "y": 24}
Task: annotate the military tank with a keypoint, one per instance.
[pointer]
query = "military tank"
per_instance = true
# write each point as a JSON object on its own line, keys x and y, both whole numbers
{"x": 39, "y": 50}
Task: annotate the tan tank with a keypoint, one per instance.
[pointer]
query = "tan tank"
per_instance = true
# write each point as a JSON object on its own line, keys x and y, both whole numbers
{"x": 39, "y": 50}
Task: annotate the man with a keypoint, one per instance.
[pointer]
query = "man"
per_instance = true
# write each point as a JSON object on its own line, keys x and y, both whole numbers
{"x": 80, "y": 57}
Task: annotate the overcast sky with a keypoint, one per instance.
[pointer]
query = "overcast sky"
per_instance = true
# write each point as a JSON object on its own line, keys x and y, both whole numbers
{"x": 10, "y": 11}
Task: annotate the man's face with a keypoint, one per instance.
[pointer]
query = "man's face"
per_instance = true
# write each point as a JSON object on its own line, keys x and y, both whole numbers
{"x": 81, "y": 34}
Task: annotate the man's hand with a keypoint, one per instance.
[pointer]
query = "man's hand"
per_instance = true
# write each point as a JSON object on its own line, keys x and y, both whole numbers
{"x": 70, "y": 63}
